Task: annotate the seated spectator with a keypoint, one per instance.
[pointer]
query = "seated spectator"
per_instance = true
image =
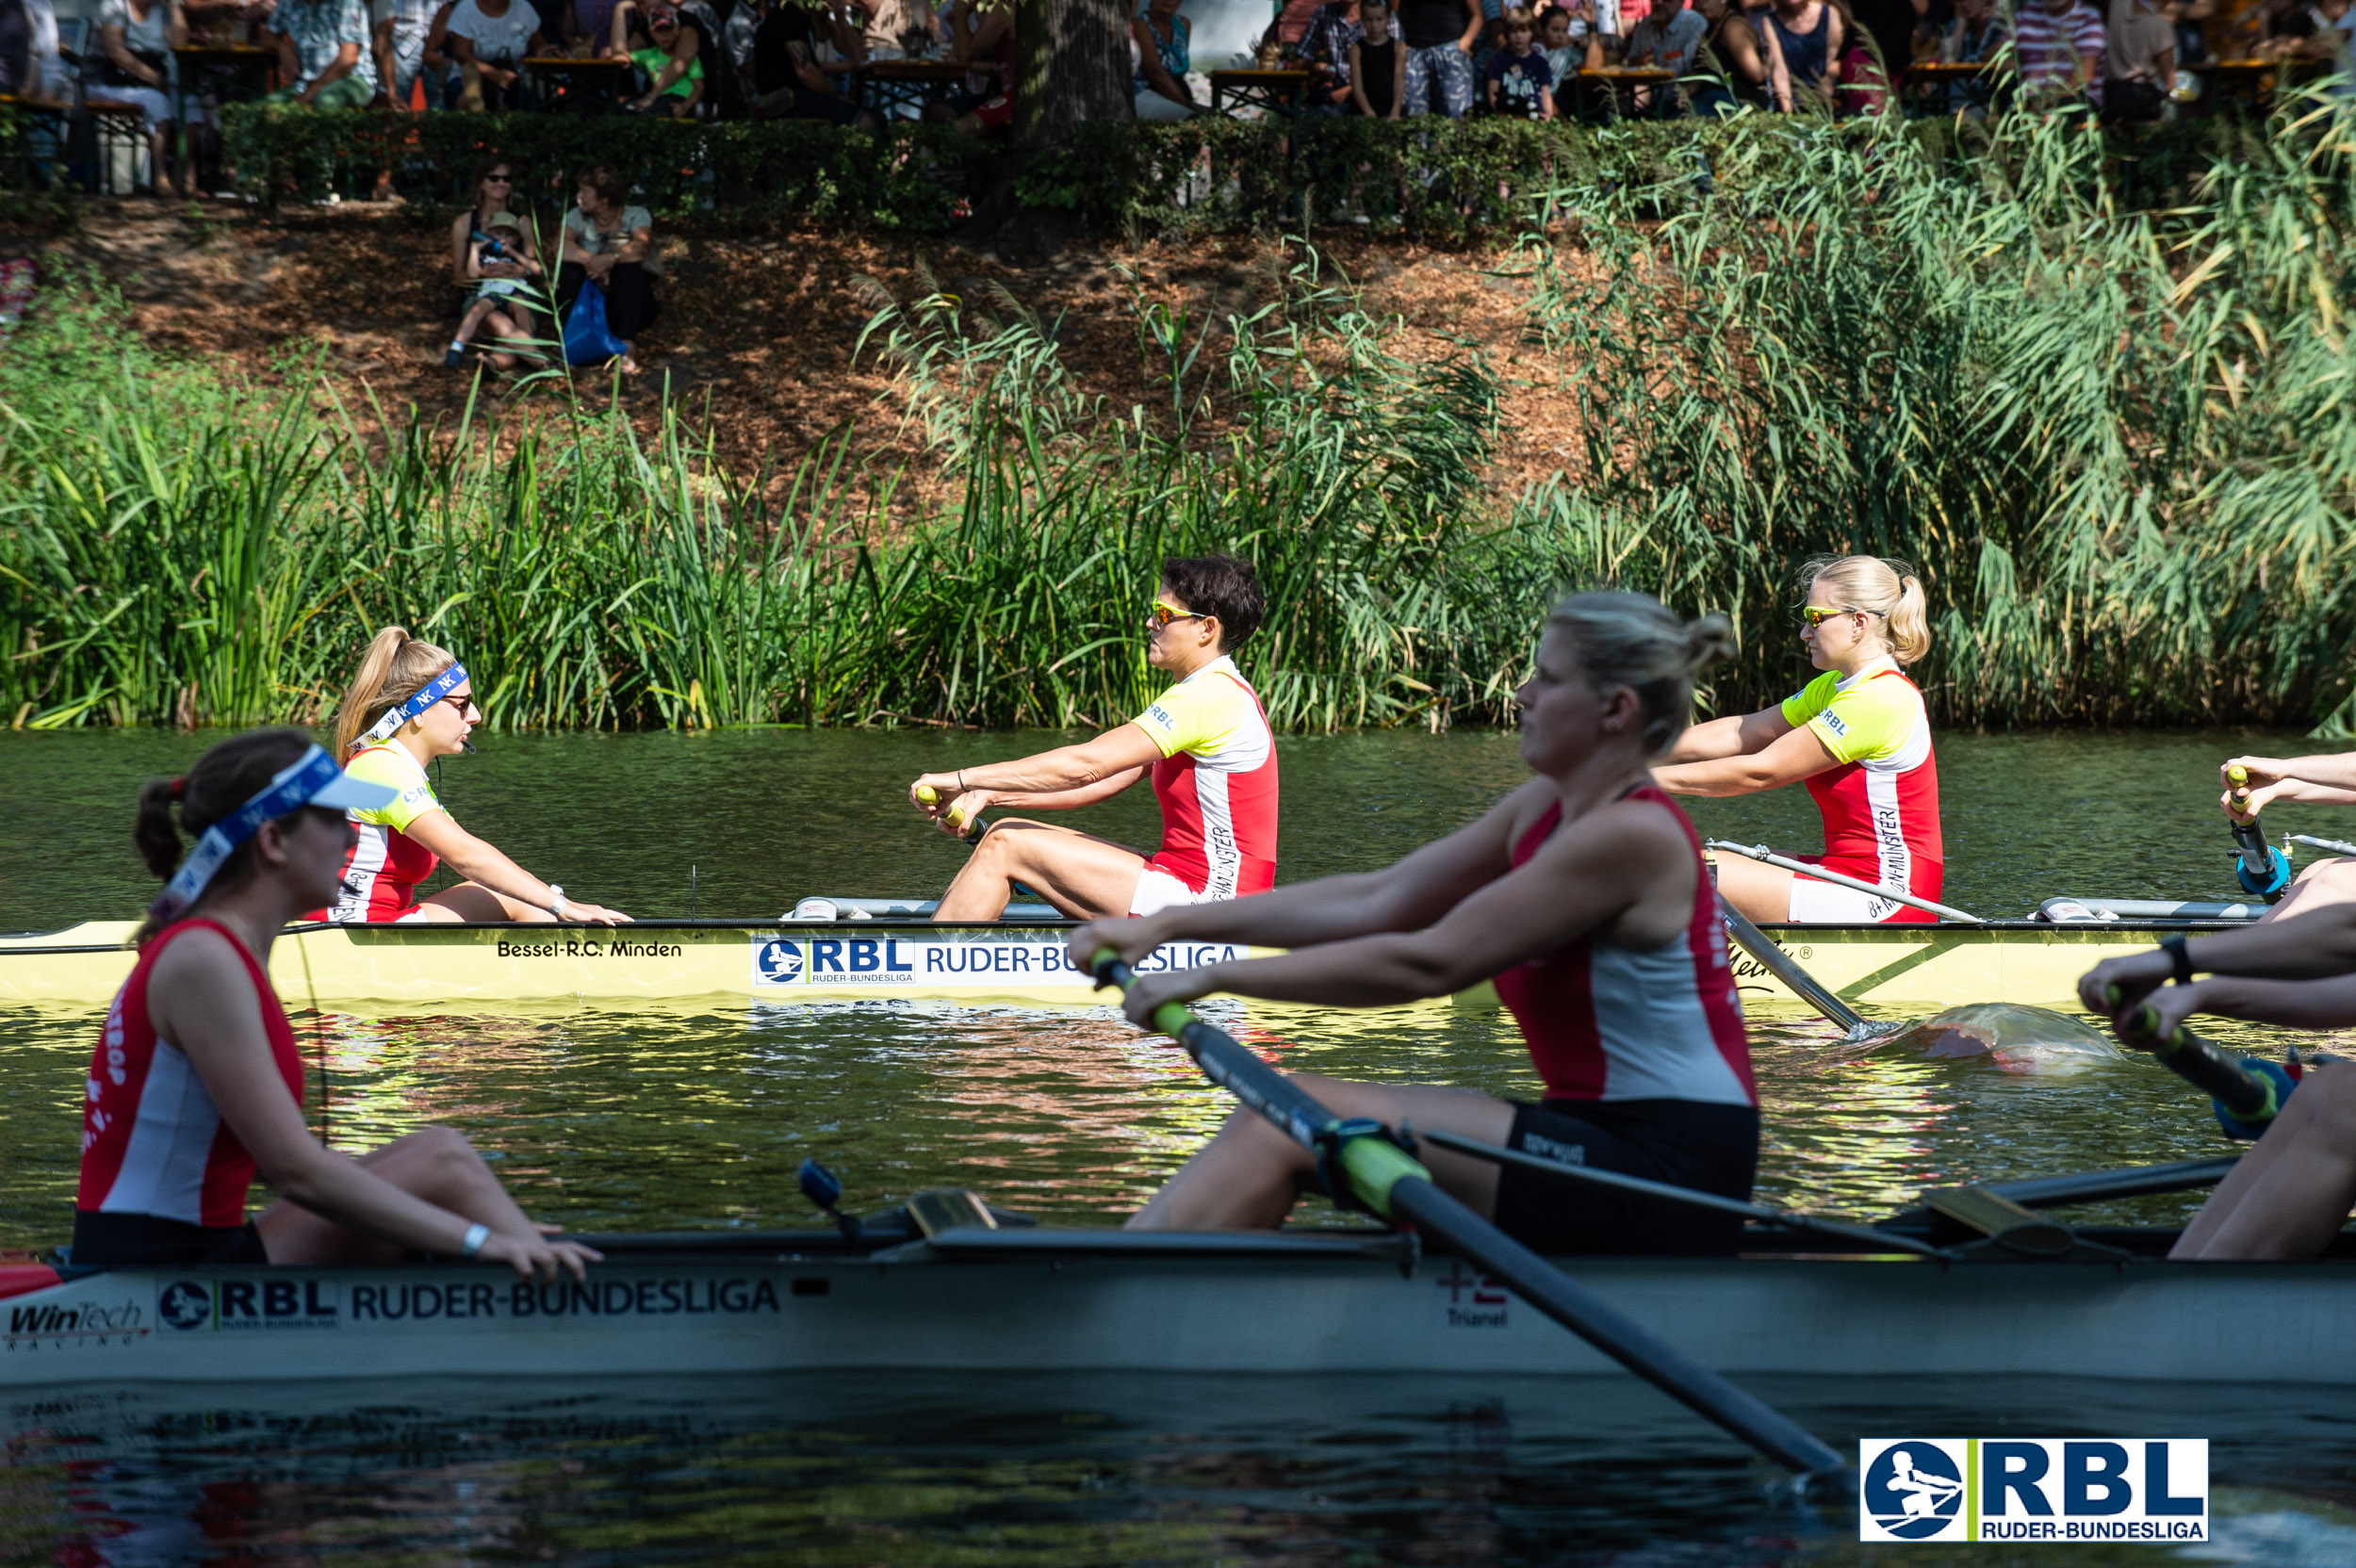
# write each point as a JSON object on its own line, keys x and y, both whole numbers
{"x": 1439, "y": 36}
{"x": 1378, "y": 64}
{"x": 1520, "y": 85}
{"x": 1294, "y": 19}
{"x": 981, "y": 39}
{"x": 668, "y": 48}
{"x": 789, "y": 80}
{"x": 2139, "y": 63}
{"x": 1670, "y": 37}
{"x": 404, "y": 62}
{"x": 489, "y": 40}
{"x": 2059, "y": 46}
{"x": 1164, "y": 55}
{"x": 131, "y": 65}
{"x": 494, "y": 190}
{"x": 1736, "y": 67}
{"x": 1976, "y": 36}
{"x": 2298, "y": 30}
{"x": 502, "y": 301}
{"x": 886, "y": 27}
{"x": 1807, "y": 37}
{"x": 610, "y": 245}
{"x": 1862, "y": 83}
{"x": 1325, "y": 45}
{"x": 323, "y": 50}
{"x": 1570, "y": 41}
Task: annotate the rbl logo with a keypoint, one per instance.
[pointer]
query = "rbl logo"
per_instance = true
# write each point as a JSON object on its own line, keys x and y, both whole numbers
{"x": 778, "y": 963}
{"x": 2033, "y": 1489}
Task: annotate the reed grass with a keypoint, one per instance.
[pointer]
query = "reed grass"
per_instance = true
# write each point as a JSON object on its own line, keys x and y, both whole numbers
{"x": 2120, "y": 444}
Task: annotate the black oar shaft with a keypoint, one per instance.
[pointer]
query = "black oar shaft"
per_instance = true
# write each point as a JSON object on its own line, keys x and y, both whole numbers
{"x": 2208, "y": 1068}
{"x": 1394, "y": 1186}
{"x": 1780, "y": 964}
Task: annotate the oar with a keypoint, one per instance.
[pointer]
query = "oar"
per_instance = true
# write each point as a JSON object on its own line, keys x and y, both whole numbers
{"x": 2330, "y": 846}
{"x": 970, "y": 831}
{"x": 2246, "y": 1091}
{"x": 1768, "y": 856}
{"x": 2261, "y": 868}
{"x": 1359, "y": 1163}
{"x": 1854, "y": 1025}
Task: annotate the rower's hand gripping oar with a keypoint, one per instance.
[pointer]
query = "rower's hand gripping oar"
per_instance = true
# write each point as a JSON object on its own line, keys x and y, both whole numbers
{"x": 2261, "y": 868}
{"x": 1364, "y": 1168}
{"x": 970, "y": 831}
{"x": 2245, "y": 1092}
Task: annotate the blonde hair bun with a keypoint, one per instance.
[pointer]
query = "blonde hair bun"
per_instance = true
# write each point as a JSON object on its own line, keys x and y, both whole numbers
{"x": 1635, "y": 641}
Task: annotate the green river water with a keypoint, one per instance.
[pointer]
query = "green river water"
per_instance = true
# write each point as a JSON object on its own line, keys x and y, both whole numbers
{"x": 607, "y": 1117}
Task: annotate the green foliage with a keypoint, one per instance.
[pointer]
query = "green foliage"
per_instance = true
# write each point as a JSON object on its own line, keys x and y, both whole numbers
{"x": 2120, "y": 444}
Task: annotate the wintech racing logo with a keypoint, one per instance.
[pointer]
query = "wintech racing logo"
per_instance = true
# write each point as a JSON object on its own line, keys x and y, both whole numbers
{"x": 777, "y": 962}
{"x": 1914, "y": 1491}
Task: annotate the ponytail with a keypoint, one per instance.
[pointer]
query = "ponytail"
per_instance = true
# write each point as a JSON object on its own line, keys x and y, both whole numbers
{"x": 220, "y": 781}
{"x": 1635, "y": 641}
{"x": 1886, "y": 589}
{"x": 395, "y": 668}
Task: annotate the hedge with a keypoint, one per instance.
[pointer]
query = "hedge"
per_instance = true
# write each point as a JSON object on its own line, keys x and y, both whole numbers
{"x": 1430, "y": 176}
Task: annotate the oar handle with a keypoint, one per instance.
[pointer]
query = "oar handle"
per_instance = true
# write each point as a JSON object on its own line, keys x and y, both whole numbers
{"x": 1358, "y": 1161}
{"x": 2261, "y": 868}
{"x": 969, "y": 831}
{"x": 2248, "y": 1091}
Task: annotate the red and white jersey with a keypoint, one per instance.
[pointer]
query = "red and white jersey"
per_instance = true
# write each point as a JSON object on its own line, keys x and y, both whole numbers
{"x": 153, "y": 1142}
{"x": 1216, "y": 783}
{"x": 1609, "y": 1022}
{"x": 381, "y": 877}
{"x": 1881, "y": 805}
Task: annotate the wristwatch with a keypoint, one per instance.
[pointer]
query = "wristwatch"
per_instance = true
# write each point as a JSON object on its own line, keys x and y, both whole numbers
{"x": 2179, "y": 960}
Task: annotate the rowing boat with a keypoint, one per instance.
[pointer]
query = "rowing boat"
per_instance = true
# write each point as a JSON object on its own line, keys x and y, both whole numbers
{"x": 867, "y": 950}
{"x": 980, "y": 1297}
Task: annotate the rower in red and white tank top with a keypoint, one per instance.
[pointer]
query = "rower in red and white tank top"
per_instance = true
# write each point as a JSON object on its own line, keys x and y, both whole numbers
{"x": 1880, "y": 804}
{"x": 153, "y": 1141}
{"x": 1606, "y": 1022}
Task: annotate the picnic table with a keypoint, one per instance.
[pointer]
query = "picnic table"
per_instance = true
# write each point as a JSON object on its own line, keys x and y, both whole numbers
{"x": 1281, "y": 91}
{"x": 1928, "y": 81}
{"x": 886, "y": 85}
{"x": 1599, "y": 90}
{"x": 566, "y": 81}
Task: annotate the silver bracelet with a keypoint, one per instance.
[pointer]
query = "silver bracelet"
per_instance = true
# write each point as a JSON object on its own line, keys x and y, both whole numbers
{"x": 960, "y": 781}
{"x": 476, "y": 1235}
{"x": 558, "y": 907}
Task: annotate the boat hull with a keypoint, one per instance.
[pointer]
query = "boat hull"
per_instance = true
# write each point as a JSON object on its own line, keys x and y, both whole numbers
{"x": 1097, "y": 1302}
{"x": 1910, "y": 966}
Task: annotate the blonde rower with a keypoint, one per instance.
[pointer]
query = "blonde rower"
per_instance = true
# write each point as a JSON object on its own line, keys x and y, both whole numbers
{"x": 411, "y": 703}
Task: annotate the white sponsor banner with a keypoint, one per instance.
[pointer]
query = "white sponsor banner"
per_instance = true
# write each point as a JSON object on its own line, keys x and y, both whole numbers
{"x": 951, "y": 961}
{"x": 2060, "y": 1489}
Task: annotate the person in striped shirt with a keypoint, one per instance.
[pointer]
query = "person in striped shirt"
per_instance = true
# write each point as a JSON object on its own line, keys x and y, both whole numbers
{"x": 2060, "y": 46}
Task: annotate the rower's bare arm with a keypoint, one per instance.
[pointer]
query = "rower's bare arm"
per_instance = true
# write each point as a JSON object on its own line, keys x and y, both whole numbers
{"x": 1736, "y": 735}
{"x": 202, "y": 1002}
{"x": 486, "y": 864}
{"x": 1406, "y": 896}
{"x": 1795, "y": 754}
{"x": 2333, "y": 771}
{"x": 2329, "y": 1004}
{"x": 1624, "y": 869}
{"x": 2318, "y": 944}
{"x": 1070, "y": 800}
{"x": 2300, "y": 790}
{"x": 1122, "y": 752}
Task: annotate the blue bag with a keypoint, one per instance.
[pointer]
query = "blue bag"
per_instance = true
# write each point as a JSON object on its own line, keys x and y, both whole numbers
{"x": 587, "y": 339}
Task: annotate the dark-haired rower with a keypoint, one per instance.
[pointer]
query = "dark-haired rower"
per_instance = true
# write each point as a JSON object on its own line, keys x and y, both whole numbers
{"x": 1204, "y": 742}
{"x": 196, "y": 1086}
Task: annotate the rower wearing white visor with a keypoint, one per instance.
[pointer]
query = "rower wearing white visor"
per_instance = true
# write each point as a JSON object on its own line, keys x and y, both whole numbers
{"x": 410, "y": 703}
{"x": 196, "y": 1086}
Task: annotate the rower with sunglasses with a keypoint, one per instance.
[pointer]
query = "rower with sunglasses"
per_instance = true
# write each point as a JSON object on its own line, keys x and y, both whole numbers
{"x": 1204, "y": 743}
{"x": 410, "y": 703}
{"x": 1857, "y": 735}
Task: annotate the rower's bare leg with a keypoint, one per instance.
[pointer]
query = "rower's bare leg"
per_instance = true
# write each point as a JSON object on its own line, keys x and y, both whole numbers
{"x": 2291, "y": 1193}
{"x": 2319, "y": 887}
{"x": 1249, "y": 1177}
{"x": 1086, "y": 878}
{"x": 436, "y": 1164}
{"x": 1762, "y": 893}
{"x": 472, "y": 901}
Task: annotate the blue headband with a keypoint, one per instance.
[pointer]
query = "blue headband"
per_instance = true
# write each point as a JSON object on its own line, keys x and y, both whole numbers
{"x": 424, "y": 698}
{"x": 296, "y": 786}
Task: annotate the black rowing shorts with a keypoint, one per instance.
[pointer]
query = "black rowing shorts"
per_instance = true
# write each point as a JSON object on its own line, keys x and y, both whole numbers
{"x": 130, "y": 1240}
{"x": 1711, "y": 1148}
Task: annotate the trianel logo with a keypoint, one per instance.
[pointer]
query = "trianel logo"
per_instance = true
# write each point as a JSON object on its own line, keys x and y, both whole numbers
{"x": 2033, "y": 1489}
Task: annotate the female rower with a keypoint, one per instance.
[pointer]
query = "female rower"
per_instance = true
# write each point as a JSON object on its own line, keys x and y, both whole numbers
{"x": 1583, "y": 896}
{"x": 195, "y": 1084}
{"x": 1859, "y": 738}
{"x": 411, "y": 703}
{"x": 2321, "y": 780}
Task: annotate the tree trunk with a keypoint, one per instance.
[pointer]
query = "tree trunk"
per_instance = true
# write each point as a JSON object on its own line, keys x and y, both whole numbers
{"x": 1073, "y": 59}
